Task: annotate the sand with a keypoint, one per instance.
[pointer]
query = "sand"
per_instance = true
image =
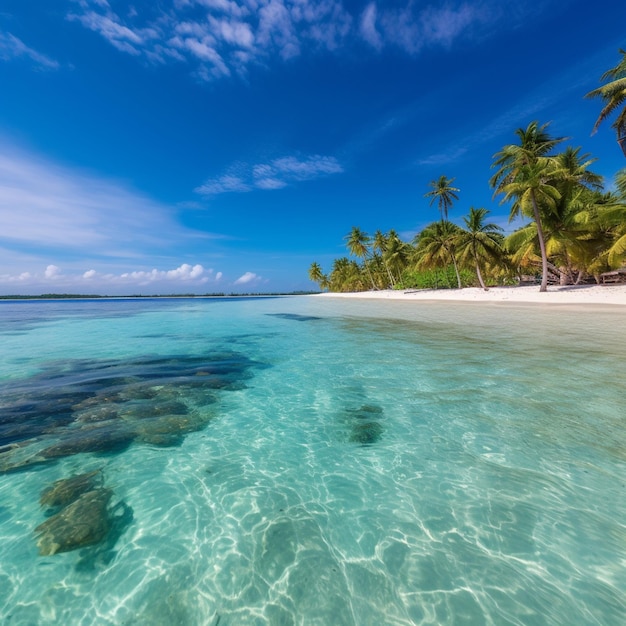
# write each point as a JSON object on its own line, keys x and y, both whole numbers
{"x": 581, "y": 295}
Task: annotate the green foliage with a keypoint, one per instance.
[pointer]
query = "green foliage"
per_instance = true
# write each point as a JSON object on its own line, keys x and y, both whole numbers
{"x": 441, "y": 278}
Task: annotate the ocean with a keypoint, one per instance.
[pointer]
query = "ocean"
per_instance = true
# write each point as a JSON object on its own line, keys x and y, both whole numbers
{"x": 311, "y": 461}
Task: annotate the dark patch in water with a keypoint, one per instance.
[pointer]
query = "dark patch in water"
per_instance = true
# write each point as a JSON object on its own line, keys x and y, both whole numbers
{"x": 83, "y": 522}
{"x": 363, "y": 423}
{"x": 121, "y": 516}
{"x": 66, "y": 490}
{"x": 366, "y": 433}
{"x": 102, "y": 438}
{"x": 82, "y": 518}
{"x": 295, "y": 317}
{"x": 102, "y": 406}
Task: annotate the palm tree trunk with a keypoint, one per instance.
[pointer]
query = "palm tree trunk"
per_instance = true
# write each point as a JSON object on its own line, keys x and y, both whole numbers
{"x": 369, "y": 273}
{"x": 456, "y": 270}
{"x": 388, "y": 272}
{"x": 542, "y": 245}
{"x": 480, "y": 277}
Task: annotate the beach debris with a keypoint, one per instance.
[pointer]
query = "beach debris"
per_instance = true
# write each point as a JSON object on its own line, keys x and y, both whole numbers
{"x": 67, "y": 490}
{"x": 84, "y": 522}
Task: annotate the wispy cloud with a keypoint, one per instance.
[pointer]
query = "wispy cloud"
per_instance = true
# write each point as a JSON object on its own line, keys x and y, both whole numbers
{"x": 276, "y": 174}
{"x": 220, "y": 37}
{"x": 413, "y": 27}
{"x": 51, "y": 208}
{"x": 13, "y": 48}
{"x": 247, "y": 278}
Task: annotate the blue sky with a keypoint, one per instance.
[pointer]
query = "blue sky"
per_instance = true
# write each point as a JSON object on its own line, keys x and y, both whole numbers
{"x": 198, "y": 146}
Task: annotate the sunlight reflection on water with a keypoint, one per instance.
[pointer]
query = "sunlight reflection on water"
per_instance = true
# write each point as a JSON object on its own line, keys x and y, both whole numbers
{"x": 367, "y": 463}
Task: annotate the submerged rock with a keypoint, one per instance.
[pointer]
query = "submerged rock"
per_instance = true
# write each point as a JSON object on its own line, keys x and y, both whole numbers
{"x": 366, "y": 433}
{"x": 366, "y": 411}
{"x": 168, "y": 431}
{"x": 84, "y": 522}
{"x": 146, "y": 409}
{"x": 296, "y": 317}
{"x": 363, "y": 423}
{"x": 106, "y": 439}
{"x": 67, "y": 490}
{"x": 98, "y": 413}
{"x": 79, "y": 406}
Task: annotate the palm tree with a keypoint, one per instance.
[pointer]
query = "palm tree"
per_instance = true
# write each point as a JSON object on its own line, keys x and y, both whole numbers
{"x": 444, "y": 193}
{"x": 479, "y": 241}
{"x": 379, "y": 246}
{"x": 346, "y": 275}
{"x": 435, "y": 246}
{"x": 565, "y": 229}
{"x": 397, "y": 253}
{"x": 613, "y": 95}
{"x": 358, "y": 243}
{"x": 317, "y": 276}
{"x": 613, "y": 215}
{"x": 525, "y": 176}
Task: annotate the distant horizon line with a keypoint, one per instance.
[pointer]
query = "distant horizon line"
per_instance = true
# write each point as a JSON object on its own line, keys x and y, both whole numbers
{"x": 75, "y": 296}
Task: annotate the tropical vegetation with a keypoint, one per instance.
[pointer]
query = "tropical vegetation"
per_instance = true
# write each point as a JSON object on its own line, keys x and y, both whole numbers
{"x": 613, "y": 96}
{"x": 573, "y": 225}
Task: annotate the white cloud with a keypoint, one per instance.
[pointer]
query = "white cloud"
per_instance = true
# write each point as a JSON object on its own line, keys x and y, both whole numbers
{"x": 48, "y": 207}
{"x": 276, "y": 174}
{"x": 232, "y": 32}
{"x": 221, "y": 37}
{"x": 11, "y": 48}
{"x": 223, "y": 184}
{"x": 247, "y": 278}
{"x": 52, "y": 272}
{"x": 413, "y": 27}
{"x": 117, "y": 34}
{"x": 367, "y": 26}
{"x": 185, "y": 275}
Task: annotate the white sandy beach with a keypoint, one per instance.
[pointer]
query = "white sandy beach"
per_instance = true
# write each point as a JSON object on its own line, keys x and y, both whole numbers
{"x": 570, "y": 294}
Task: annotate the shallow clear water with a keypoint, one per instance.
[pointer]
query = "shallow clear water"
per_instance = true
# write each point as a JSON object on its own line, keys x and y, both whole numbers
{"x": 316, "y": 461}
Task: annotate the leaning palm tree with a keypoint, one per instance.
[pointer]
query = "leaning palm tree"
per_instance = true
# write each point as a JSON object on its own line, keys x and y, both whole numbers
{"x": 397, "y": 254}
{"x": 479, "y": 242}
{"x": 525, "y": 177}
{"x": 613, "y": 95}
{"x": 317, "y": 276}
{"x": 565, "y": 227}
{"x": 358, "y": 243}
{"x": 380, "y": 243}
{"x": 444, "y": 193}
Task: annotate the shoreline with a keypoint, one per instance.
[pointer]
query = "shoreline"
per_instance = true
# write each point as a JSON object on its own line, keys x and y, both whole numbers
{"x": 567, "y": 294}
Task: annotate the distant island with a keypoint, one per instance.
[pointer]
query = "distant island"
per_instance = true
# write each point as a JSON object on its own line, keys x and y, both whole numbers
{"x": 80, "y": 296}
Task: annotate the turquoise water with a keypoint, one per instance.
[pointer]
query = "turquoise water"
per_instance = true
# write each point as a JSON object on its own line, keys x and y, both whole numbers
{"x": 316, "y": 461}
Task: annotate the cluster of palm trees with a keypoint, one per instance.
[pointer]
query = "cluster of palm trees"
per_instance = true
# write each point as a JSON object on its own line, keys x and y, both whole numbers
{"x": 576, "y": 228}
